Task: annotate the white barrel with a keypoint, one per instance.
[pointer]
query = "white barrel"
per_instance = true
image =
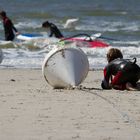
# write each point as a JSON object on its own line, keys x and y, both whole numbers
{"x": 65, "y": 67}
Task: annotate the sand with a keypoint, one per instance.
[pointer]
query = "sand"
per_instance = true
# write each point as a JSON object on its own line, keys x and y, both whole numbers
{"x": 30, "y": 109}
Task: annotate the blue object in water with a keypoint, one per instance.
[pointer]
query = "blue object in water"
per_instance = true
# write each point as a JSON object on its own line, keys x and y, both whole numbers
{"x": 31, "y": 35}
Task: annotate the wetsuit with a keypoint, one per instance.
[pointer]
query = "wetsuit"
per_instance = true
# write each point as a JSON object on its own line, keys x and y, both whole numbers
{"x": 9, "y": 28}
{"x": 121, "y": 71}
{"x": 55, "y": 31}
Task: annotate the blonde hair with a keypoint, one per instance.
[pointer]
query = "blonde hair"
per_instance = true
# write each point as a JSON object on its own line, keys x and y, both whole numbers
{"x": 114, "y": 53}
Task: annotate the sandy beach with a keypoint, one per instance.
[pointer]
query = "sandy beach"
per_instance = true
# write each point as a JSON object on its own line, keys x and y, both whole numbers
{"x": 30, "y": 109}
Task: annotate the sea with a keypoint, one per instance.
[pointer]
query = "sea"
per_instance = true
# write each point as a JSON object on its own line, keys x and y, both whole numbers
{"x": 118, "y": 21}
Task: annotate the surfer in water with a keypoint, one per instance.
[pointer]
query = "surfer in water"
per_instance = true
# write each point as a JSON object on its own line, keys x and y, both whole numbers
{"x": 9, "y": 28}
{"x": 54, "y": 31}
{"x": 120, "y": 73}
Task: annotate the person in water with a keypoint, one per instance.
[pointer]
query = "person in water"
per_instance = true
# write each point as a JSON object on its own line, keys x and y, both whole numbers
{"x": 120, "y": 73}
{"x": 9, "y": 28}
{"x": 54, "y": 31}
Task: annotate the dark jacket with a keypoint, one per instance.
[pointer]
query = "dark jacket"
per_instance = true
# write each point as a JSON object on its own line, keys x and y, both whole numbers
{"x": 121, "y": 71}
{"x": 9, "y": 29}
{"x": 55, "y": 31}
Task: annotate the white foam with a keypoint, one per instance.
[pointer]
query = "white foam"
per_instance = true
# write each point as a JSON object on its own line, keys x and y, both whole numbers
{"x": 28, "y": 24}
{"x": 32, "y": 58}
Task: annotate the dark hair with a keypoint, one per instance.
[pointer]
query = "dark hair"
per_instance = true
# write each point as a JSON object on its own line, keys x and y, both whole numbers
{"x": 3, "y": 13}
{"x": 114, "y": 53}
{"x": 46, "y": 23}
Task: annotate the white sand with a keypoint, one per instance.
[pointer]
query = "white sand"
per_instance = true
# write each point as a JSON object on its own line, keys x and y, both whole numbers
{"x": 30, "y": 109}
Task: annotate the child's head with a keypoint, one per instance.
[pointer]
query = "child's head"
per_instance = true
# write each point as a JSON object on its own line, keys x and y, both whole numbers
{"x": 45, "y": 24}
{"x": 114, "y": 53}
{"x": 3, "y": 14}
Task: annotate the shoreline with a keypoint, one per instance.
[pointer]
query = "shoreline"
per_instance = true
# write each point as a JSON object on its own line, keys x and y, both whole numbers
{"x": 32, "y": 109}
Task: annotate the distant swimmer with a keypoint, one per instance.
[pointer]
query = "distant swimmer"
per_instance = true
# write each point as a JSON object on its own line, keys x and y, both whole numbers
{"x": 54, "y": 31}
{"x": 120, "y": 73}
{"x": 9, "y": 28}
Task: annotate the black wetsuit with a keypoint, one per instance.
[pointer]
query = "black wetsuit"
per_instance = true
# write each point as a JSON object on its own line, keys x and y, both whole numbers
{"x": 123, "y": 70}
{"x": 9, "y": 29}
{"x": 55, "y": 31}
